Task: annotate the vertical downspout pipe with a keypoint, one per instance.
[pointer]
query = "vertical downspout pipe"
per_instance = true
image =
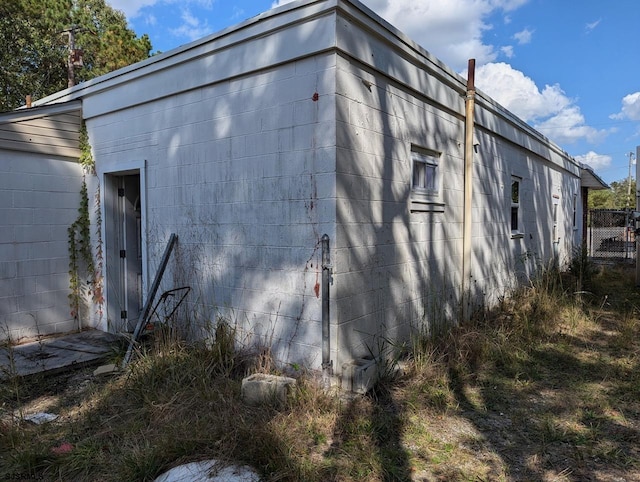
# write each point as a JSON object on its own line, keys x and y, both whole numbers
{"x": 468, "y": 189}
{"x": 327, "y": 268}
{"x": 636, "y": 224}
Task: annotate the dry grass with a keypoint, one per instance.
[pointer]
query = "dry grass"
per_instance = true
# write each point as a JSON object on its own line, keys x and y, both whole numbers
{"x": 546, "y": 388}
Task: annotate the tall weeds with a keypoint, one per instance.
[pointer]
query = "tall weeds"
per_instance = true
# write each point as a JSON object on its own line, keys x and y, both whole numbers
{"x": 180, "y": 401}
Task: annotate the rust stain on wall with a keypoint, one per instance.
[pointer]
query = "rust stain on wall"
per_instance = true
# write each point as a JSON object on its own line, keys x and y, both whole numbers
{"x": 316, "y": 287}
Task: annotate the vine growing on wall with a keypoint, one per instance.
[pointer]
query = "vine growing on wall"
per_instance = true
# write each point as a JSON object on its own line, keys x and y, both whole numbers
{"x": 81, "y": 261}
{"x": 96, "y": 287}
{"x": 79, "y": 250}
{"x": 86, "y": 158}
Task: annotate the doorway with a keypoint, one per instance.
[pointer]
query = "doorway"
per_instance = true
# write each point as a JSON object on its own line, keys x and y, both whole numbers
{"x": 123, "y": 250}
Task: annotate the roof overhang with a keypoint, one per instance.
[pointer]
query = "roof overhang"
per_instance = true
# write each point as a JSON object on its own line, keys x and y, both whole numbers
{"x": 50, "y": 129}
{"x": 590, "y": 180}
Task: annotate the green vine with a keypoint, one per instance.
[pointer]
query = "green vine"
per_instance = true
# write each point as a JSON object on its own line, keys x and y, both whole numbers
{"x": 79, "y": 250}
{"x": 96, "y": 291}
{"x": 86, "y": 158}
{"x": 81, "y": 261}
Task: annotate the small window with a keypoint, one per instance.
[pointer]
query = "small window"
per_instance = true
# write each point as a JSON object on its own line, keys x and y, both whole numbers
{"x": 425, "y": 173}
{"x": 515, "y": 206}
{"x": 426, "y": 183}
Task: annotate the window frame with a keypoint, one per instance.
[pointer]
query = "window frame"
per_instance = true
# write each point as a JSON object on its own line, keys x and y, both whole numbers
{"x": 427, "y": 198}
{"x": 515, "y": 206}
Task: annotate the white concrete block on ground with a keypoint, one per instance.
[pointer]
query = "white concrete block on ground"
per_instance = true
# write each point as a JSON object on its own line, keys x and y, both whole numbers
{"x": 360, "y": 375}
{"x": 263, "y": 388}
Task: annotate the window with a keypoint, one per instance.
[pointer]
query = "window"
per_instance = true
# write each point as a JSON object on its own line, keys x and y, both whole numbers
{"x": 425, "y": 181}
{"x": 515, "y": 206}
{"x": 425, "y": 173}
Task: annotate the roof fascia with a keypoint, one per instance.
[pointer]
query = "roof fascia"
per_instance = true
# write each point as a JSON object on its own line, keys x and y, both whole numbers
{"x": 222, "y": 39}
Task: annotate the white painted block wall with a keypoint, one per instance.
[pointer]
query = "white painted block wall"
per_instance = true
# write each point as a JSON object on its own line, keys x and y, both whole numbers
{"x": 242, "y": 171}
{"x": 500, "y": 259}
{"x": 397, "y": 271}
{"x": 250, "y": 167}
{"x": 39, "y": 199}
{"x": 393, "y": 268}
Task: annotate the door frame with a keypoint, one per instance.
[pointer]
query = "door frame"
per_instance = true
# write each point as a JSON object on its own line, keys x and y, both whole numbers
{"x": 116, "y": 170}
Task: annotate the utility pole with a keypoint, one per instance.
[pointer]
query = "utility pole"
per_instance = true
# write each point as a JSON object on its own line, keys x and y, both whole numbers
{"x": 74, "y": 57}
{"x": 629, "y": 213}
{"x": 629, "y": 182}
{"x": 637, "y": 224}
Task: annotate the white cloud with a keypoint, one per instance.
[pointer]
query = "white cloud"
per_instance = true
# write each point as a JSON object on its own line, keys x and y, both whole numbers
{"x": 549, "y": 110}
{"x": 524, "y": 37}
{"x": 591, "y": 26}
{"x": 507, "y": 50}
{"x": 450, "y": 29}
{"x": 567, "y": 126}
{"x": 237, "y": 13}
{"x": 630, "y": 108}
{"x": 192, "y": 27}
{"x": 519, "y": 93}
{"x": 596, "y": 161}
{"x": 150, "y": 20}
{"x": 131, "y": 8}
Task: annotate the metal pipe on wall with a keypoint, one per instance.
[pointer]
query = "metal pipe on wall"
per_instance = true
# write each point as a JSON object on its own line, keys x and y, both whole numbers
{"x": 327, "y": 269}
{"x": 468, "y": 189}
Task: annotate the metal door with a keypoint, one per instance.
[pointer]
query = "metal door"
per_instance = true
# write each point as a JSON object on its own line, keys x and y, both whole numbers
{"x": 123, "y": 250}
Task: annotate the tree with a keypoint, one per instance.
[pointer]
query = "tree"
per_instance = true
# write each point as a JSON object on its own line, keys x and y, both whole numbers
{"x": 601, "y": 199}
{"x": 624, "y": 193}
{"x": 34, "y": 45}
{"x": 617, "y": 197}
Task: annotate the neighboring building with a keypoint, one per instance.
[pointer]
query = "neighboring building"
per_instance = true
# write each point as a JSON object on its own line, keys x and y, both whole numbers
{"x": 316, "y": 118}
{"x": 40, "y": 181}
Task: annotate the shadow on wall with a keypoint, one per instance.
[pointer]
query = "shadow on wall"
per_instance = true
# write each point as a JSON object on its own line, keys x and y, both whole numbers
{"x": 389, "y": 261}
{"x": 249, "y": 204}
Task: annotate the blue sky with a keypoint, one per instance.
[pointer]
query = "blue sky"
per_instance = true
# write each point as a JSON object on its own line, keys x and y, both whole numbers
{"x": 570, "y": 68}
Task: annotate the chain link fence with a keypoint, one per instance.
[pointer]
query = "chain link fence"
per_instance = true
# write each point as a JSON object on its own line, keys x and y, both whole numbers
{"x": 611, "y": 235}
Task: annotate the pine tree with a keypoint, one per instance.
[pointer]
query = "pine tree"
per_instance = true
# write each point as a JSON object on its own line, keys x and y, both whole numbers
{"x": 34, "y": 45}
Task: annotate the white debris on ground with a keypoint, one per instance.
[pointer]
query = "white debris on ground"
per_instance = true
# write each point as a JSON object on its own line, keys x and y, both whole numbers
{"x": 209, "y": 470}
{"x": 40, "y": 418}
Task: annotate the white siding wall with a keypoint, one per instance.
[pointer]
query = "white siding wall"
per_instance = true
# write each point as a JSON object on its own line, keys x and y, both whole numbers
{"x": 39, "y": 200}
{"x": 242, "y": 171}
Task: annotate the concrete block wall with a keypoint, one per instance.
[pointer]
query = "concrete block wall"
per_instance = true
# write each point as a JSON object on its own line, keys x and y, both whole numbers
{"x": 242, "y": 171}
{"x": 542, "y": 184}
{"x": 251, "y": 158}
{"x": 394, "y": 268}
{"x": 39, "y": 199}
